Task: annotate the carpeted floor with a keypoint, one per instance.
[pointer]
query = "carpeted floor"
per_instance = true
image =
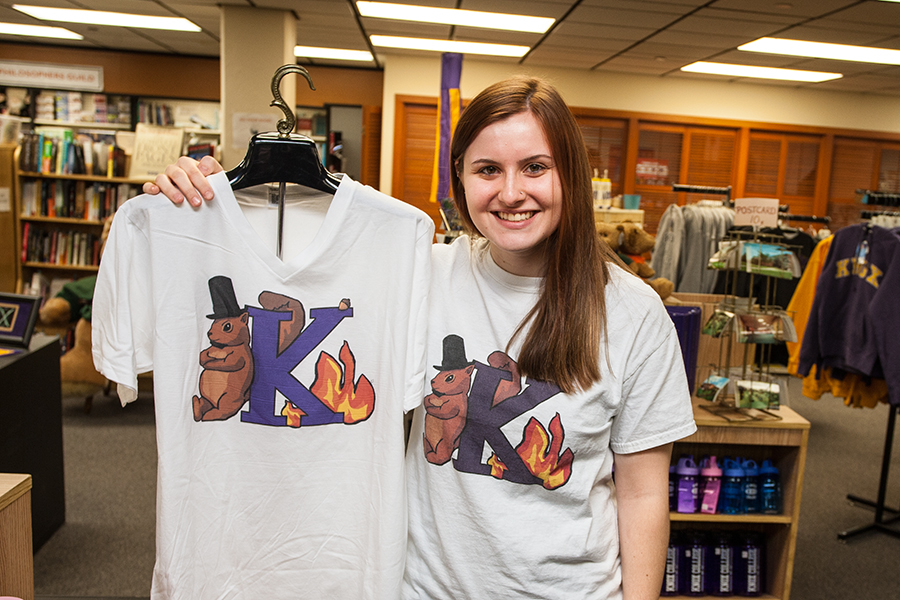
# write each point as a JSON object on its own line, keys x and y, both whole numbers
{"x": 105, "y": 549}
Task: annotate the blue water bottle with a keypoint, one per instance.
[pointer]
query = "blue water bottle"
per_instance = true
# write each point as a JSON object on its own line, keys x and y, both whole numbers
{"x": 770, "y": 489}
{"x": 732, "y": 498}
{"x": 751, "y": 486}
{"x": 688, "y": 485}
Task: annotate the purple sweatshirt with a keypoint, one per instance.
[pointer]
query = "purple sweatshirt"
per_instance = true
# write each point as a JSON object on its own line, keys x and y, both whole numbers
{"x": 854, "y": 323}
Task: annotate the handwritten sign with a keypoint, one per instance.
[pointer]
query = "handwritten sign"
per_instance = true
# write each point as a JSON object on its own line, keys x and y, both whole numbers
{"x": 43, "y": 75}
{"x": 759, "y": 212}
{"x": 154, "y": 148}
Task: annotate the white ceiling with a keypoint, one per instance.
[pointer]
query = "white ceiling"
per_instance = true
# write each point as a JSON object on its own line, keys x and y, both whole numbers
{"x": 654, "y": 37}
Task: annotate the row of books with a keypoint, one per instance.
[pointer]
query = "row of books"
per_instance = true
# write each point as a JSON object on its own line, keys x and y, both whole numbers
{"x": 62, "y": 152}
{"x": 60, "y": 247}
{"x": 155, "y": 113}
{"x": 72, "y": 199}
{"x": 79, "y": 107}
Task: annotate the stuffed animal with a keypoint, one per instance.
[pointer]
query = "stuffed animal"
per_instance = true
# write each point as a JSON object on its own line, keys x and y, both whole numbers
{"x": 72, "y": 304}
{"x": 633, "y": 245}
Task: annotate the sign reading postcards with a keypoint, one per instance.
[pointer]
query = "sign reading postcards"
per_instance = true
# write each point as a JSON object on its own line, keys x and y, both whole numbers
{"x": 757, "y": 212}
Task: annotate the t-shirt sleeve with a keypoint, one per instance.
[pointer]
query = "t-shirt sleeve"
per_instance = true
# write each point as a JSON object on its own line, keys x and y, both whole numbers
{"x": 656, "y": 402}
{"x": 122, "y": 327}
{"x": 418, "y": 318}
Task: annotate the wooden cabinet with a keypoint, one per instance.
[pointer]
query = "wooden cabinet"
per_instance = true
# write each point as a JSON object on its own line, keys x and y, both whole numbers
{"x": 59, "y": 222}
{"x": 784, "y": 442}
{"x": 16, "y": 563}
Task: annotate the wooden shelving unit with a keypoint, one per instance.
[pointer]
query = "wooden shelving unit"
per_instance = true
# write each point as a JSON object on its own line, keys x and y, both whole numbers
{"x": 784, "y": 442}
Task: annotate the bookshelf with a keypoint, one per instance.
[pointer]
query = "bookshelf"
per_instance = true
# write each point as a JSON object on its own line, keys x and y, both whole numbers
{"x": 59, "y": 220}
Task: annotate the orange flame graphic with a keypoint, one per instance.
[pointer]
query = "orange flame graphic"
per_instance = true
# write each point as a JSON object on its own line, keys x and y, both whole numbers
{"x": 335, "y": 388}
{"x": 293, "y": 414}
{"x": 540, "y": 453}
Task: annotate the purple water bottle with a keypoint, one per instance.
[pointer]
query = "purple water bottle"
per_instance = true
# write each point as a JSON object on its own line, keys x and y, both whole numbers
{"x": 749, "y": 572}
{"x": 732, "y": 502}
{"x": 673, "y": 487}
{"x": 695, "y": 564}
{"x": 688, "y": 485}
{"x": 674, "y": 559}
{"x": 720, "y": 570}
{"x": 751, "y": 486}
{"x": 710, "y": 485}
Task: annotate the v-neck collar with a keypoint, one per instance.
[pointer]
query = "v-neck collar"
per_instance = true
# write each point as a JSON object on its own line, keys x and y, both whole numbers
{"x": 335, "y": 216}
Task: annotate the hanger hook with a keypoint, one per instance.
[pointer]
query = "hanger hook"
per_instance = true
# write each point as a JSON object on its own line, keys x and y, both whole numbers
{"x": 286, "y": 125}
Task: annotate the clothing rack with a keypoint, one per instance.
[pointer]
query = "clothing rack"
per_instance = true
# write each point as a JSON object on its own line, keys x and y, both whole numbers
{"x": 875, "y": 197}
{"x": 879, "y": 524}
{"x": 805, "y": 218}
{"x": 704, "y": 189}
{"x": 868, "y": 214}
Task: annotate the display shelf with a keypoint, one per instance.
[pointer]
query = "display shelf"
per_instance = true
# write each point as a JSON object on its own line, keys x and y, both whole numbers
{"x": 784, "y": 442}
{"x": 82, "y": 124}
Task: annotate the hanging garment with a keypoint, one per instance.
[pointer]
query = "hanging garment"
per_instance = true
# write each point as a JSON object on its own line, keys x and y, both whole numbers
{"x": 669, "y": 238}
{"x": 854, "y": 324}
{"x": 279, "y": 388}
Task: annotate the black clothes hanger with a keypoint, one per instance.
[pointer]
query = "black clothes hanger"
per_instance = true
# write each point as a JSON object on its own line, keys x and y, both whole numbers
{"x": 283, "y": 158}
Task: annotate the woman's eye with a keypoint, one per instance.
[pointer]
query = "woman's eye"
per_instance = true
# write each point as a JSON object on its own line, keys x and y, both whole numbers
{"x": 488, "y": 170}
{"x": 535, "y": 168}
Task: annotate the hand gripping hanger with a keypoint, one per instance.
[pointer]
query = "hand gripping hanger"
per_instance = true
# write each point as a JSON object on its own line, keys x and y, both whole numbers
{"x": 282, "y": 158}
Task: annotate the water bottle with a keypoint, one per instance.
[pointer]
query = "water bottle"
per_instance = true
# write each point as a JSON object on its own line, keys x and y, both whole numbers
{"x": 674, "y": 559}
{"x": 695, "y": 565}
{"x": 720, "y": 570}
{"x": 673, "y": 486}
{"x": 688, "y": 485}
{"x": 732, "y": 502}
{"x": 749, "y": 575}
{"x": 710, "y": 485}
{"x": 751, "y": 486}
{"x": 770, "y": 489}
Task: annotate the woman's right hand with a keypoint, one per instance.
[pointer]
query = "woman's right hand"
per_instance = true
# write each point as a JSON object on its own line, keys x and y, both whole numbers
{"x": 185, "y": 179}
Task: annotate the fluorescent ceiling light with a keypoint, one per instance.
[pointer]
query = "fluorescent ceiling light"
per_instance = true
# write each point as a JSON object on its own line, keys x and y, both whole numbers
{"x": 865, "y": 54}
{"x": 454, "y": 16}
{"x": 335, "y": 53}
{"x": 39, "y": 31}
{"x": 390, "y": 41}
{"x": 99, "y": 17}
{"x": 759, "y": 72}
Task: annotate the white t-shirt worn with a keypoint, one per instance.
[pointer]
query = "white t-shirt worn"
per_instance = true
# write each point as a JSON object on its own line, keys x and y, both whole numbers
{"x": 279, "y": 386}
{"x": 510, "y": 481}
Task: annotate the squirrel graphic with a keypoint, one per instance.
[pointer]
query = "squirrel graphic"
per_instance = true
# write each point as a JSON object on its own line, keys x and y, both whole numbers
{"x": 447, "y": 405}
{"x": 228, "y": 362}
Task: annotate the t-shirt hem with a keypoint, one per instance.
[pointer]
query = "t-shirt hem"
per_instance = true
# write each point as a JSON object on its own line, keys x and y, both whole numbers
{"x": 666, "y": 437}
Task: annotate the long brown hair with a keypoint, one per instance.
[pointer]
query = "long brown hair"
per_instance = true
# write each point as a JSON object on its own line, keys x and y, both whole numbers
{"x": 564, "y": 330}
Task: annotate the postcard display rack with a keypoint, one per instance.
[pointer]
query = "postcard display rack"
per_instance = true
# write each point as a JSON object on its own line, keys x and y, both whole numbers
{"x": 724, "y": 429}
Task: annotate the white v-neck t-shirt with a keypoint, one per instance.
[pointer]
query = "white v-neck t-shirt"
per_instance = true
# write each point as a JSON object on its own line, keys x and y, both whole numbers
{"x": 298, "y": 492}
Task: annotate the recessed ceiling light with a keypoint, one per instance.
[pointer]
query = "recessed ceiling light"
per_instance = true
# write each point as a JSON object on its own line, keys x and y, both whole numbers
{"x": 390, "y": 41}
{"x": 454, "y": 16}
{"x": 100, "y": 17}
{"x": 39, "y": 31}
{"x": 759, "y": 72}
{"x": 334, "y": 53}
{"x": 865, "y": 54}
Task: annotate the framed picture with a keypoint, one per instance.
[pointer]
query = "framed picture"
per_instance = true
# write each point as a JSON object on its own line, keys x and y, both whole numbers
{"x": 18, "y": 314}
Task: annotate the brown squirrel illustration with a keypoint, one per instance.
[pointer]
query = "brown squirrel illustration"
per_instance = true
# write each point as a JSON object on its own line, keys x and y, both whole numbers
{"x": 447, "y": 405}
{"x": 228, "y": 362}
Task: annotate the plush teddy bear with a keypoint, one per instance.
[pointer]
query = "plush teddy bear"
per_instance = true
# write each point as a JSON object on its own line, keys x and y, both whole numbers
{"x": 633, "y": 244}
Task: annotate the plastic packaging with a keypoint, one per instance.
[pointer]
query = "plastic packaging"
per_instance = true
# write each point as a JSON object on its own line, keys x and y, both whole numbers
{"x": 688, "y": 484}
{"x": 732, "y": 502}
{"x": 769, "y": 489}
{"x": 751, "y": 486}
{"x": 710, "y": 485}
